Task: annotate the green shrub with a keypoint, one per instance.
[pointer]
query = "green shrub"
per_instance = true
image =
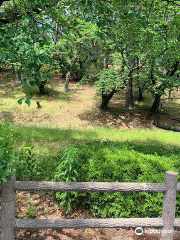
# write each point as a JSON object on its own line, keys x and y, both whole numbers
{"x": 32, "y": 167}
{"x": 114, "y": 162}
{"x": 8, "y": 158}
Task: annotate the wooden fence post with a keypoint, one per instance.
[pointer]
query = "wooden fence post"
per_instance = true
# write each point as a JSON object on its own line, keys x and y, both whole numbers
{"x": 8, "y": 197}
{"x": 169, "y": 205}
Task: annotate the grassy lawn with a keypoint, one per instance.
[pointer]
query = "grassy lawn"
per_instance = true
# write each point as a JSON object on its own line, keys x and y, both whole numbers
{"x": 74, "y": 117}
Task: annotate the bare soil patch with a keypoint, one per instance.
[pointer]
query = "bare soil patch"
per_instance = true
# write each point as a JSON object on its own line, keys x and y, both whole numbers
{"x": 45, "y": 208}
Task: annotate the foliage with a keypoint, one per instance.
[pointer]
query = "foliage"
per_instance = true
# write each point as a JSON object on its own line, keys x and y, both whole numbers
{"x": 27, "y": 163}
{"x": 69, "y": 36}
{"x": 31, "y": 168}
{"x": 30, "y": 213}
{"x": 8, "y": 156}
{"x": 112, "y": 162}
{"x": 110, "y": 79}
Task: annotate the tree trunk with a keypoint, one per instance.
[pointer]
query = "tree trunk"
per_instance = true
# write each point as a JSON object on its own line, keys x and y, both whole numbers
{"x": 17, "y": 78}
{"x": 156, "y": 103}
{"x": 140, "y": 96}
{"x": 96, "y": 64}
{"x": 105, "y": 99}
{"x": 42, "y": 88}
{"x": 170, "y": 91}
{"x": 95, "y": 55}
{"x": 66, "y": 85}
{"x": 129, "y": 93}
{"x": 105, "y": 61}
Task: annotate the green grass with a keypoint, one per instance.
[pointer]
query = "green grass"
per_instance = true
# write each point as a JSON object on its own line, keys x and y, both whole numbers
{"x": 51, "y": 140}
{"x": 74, "y": 117}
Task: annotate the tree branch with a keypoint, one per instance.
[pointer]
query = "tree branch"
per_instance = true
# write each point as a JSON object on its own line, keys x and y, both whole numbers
{"x": 173, "y": 2}
{"x": 122, "y": 53}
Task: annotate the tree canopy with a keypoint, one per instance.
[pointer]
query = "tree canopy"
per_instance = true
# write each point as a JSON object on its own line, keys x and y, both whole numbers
{"x": 135, "y": 43}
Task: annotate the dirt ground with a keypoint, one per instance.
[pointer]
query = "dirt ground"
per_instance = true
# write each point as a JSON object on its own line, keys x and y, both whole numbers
{"x": 43, "y": 206}
{"x": 80, "y": 107}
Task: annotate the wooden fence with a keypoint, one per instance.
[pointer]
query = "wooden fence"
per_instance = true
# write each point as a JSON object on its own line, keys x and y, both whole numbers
{"x": 167, "y": 223}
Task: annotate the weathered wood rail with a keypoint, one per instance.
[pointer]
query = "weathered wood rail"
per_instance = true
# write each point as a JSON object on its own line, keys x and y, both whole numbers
{"x": 167, "y": 222}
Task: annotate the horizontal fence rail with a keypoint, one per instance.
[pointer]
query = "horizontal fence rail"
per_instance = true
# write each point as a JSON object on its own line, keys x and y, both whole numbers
{"x": 91, "y": 187}
{"x": 87, "y": 223}
{"x": 91, "y": 223}
{"x": 167, "y": 223}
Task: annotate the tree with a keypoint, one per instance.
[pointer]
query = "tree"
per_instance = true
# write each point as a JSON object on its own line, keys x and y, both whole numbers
{"x": 28, "y": 54}
{"x": 110, "y": 82}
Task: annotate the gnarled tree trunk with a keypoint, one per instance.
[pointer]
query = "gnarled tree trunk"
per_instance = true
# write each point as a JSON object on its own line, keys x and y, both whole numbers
{"x": 156, "y": 103}
{"x": 105, "y": 99}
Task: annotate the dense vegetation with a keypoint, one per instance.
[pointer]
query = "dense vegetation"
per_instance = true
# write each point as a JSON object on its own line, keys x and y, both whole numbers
{"x": 127, "y": 51}
{"x": 107, "y": 162}
{"x": 116, "y": 45}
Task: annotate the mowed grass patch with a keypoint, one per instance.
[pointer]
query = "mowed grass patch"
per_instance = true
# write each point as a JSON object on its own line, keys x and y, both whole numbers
{"x": 51, "y": 140}
{"x": 74, "y": 117}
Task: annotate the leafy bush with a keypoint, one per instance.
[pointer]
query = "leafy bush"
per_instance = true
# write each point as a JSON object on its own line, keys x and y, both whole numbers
{"x": 114, "y": 162}
{"x": 8, "y": 158}
{"x": 31, "y": 167}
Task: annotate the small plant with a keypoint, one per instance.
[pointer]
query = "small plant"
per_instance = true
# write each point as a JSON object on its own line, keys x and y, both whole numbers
{"x": 30, "y": 213}
{"x": 8, "y": 157}
{"x": 67, "y": 172}
{"x": 27, "y": 166}
{"x": 31, "y": 168}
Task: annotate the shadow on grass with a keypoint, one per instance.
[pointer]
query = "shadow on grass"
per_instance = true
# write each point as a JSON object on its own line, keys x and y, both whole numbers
{"x": 52, "y": 94}
{"x": 44, "y": 134}
{"x": 9, "y": 90}
{"x": 118, "y": 116}
{"x": 62, "y": 138}
{"x": 6, "y": 116}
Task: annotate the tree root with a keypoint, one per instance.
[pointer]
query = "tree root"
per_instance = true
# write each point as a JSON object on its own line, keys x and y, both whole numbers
{"x": 162, "y": 126}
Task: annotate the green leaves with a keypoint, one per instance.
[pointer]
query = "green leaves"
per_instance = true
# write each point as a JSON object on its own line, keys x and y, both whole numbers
{"x": 8, "y": 158}
{"x": 115, "y": 162}
{"x": 109, "y": 79}
{"x": 20, "y": 101}
{"x": 28, "y": 101}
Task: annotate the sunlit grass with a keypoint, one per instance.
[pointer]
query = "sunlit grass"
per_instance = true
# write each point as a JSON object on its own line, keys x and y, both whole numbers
{"x": 51, "y": 140}
{"x": 74, "y": 117}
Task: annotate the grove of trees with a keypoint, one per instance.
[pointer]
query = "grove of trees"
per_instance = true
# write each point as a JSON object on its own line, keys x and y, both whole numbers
{"x": 130, "y": 45}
